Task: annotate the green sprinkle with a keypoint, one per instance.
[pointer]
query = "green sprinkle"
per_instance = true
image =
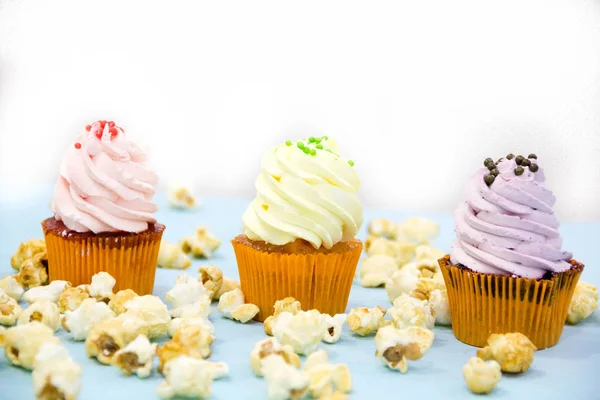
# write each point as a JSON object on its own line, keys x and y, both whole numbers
{"x": 351, "y": 163}
{"x": 326, "y": 137}
{"x": 300, "y": 145}
{"x": 311, "y": 139}
{"x": 319, "y": 146}
{"x": 318, "y": 140}
{"x": 288, "y": 143}
{"x": 313, "y": 152}
{"x": 306, "y": 150}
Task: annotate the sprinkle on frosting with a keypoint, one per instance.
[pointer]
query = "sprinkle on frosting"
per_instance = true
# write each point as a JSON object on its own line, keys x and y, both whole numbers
{"x": 520, "y": 162}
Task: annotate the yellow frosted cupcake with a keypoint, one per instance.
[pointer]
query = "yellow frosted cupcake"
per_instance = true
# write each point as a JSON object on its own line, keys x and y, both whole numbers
{"x": 299, "y": 231}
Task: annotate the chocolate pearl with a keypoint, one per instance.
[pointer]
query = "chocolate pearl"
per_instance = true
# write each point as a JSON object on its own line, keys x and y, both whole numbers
{"x": 534, "y": 168}
{"x": 519, "y": 171}
{"x": 526, "y": 163}
{"x": 489, "y": 179}
{"x": 491, "y": 166}
{"x": 532, "y": 156}
{"x": 510, "y": 156}
{"x": 495, "y": 172}
{"x": 519, "y": 160}
{"x": 488, "y": 161}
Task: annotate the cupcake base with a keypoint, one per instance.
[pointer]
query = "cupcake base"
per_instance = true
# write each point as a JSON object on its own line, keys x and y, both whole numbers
{"x": 320, "y": 279}
{"x": 129, "y": 257}
{"x": 482, "y": 304}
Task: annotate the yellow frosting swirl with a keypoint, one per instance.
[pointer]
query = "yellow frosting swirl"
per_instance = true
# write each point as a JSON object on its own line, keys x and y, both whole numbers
{"x": 305, "y": 191}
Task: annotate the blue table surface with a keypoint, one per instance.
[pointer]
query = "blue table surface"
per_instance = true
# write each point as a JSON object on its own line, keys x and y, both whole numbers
{"x": 568, "y": 370}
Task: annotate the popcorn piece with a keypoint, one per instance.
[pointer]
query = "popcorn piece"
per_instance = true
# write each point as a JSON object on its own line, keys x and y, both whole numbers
{"x": 227, "y": 286}
{"x": 9, "y": 309}
{"x": 481, "y": 376}
{"x": 326, "y": 378}
{"x": 232, "y": 306}
{"x": 365, "y": 321}
{"x": 302, "y": 331}
{"x": 192, "y": 341}
{"x": 283, "y": 380}
{"x": 137, "y": 357}
{"x": 418, "y": 230}
{"x": 513, "y": 351}
{"x": 56, "y": 375}
{"x": 190, "y": 377}
{"x": 34, "y": 271}
{"x": 268, "y": 347}
{"x": 50, "y": 292}
{"x": 409, "y": 311}
{"x": 26, "y": 251}
{"x": 288, "y": 304}
{"x": 152, "y": 312}
{"x": 212, "y": 279}
{"x": 583, "y": 303}
{"x": 42, "y": 311}
{"x": 89, "y": 314}
{"x": 12, "y": 287}
{"x": 172, "y": 257}
{"x": 22, "y": 343}
{"x": 117, "y": 303}
{"x": 2, "y": 336}
{"x": 189, "y": 296}
{"x": 71, "y": 299}
{"x": 102, "y": 286}
{"x": 111, "y": 335}
{"x": 425, "y": 252}
{"x": 405, "y": 279}
{"x": 333, "y": 327}
{"x": 376, "y": 270}
{"x": 202, "y": 322}
{"x": 383, "y": 227}
{"x": 395, "y": 347}
{"x": 203, "y": 244}
{"x": 402, "y": 252}
{"x": 181, "y": 197}
{"x": 438, "y": 299}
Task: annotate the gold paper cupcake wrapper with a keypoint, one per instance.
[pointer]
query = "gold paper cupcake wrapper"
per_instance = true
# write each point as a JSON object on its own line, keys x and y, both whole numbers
{"x": 318, "y": 281}
{"x": 131, "y": 259}
{"x": 482, "y": 304}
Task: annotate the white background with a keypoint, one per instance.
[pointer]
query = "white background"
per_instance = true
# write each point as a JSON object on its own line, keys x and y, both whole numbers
{"x": 417, "y": 93}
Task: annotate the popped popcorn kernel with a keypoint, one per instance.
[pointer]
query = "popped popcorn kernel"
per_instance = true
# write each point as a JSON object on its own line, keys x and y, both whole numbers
{"x": 11, "y": 286}
{"x": 326, "y": 378}
{"x": 34, "y": 271}
{"x": 232, "y": 306}
{"x": 85, "y": 317}
{"x": 22, "y": 343}
{"x": 181, "y": 197}
{"x": 151, "y": 311}
{"x": 376, "y": 270}
{"x": 9, "y": 309}
{"x": 333, "y": 327}
{"x": 268, "y": 325}
{"x": 101, "y": 287}
{"x": 402, "y": 252}
{"x": 71, "y": 299}
{"x": 417, "y": 230}
{"x": 383, "y": 227}
{"x": 212, "y": 279}
{"x": 203, "y": 244}
{"x": 189, "y": 296}
{"x": 200, "y": 321}
{"x": 425, "y": 252}
{"x": 403, "y": 281}
{"x": 56, "y": 375}
{"x": 438, "y": 299}
{"x": 193, "y": 341}
{"x": 409, "y": 311}
{"x": 42, "y": 311}
{"x": 111, "y": 335}
{"x": 583, "y": 303}
{"x": 2, "y": 336}
{"x": 26, "y": 251}
{"x": 136, "y": 358}
{"x": 481, "y": 376}
{"x": 513, "y": 351}
{"x": 395, "y": 347}
{"x": 117, "y": 303}
{"x": 227, "y": 286}
{"x": 50, "y": 292}
{"x": 189, "y": 377}
{"x": 365, "y": 321}
{"x": 245, "y": 312}
{"x": 283, "y": 380}
{"x": 171, "y": 256}
{"x": 288, "y": 304}
{"x": 268, "y": 347}
{"x": 302, "y": 331}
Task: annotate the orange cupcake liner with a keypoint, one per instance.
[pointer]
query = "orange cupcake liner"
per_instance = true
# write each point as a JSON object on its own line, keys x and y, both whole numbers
{"x": 130, "y": 259}
{"x": 317, "y": 281}
{"x": 482, "y": 304}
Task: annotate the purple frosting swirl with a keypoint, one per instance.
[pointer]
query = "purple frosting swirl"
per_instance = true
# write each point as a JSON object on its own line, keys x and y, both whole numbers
{"x": 509, "y": 228}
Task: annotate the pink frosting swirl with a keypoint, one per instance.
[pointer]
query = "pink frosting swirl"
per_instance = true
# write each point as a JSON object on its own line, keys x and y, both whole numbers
{"x": 509, "y": 228}
{"x": 105, "y": 184}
